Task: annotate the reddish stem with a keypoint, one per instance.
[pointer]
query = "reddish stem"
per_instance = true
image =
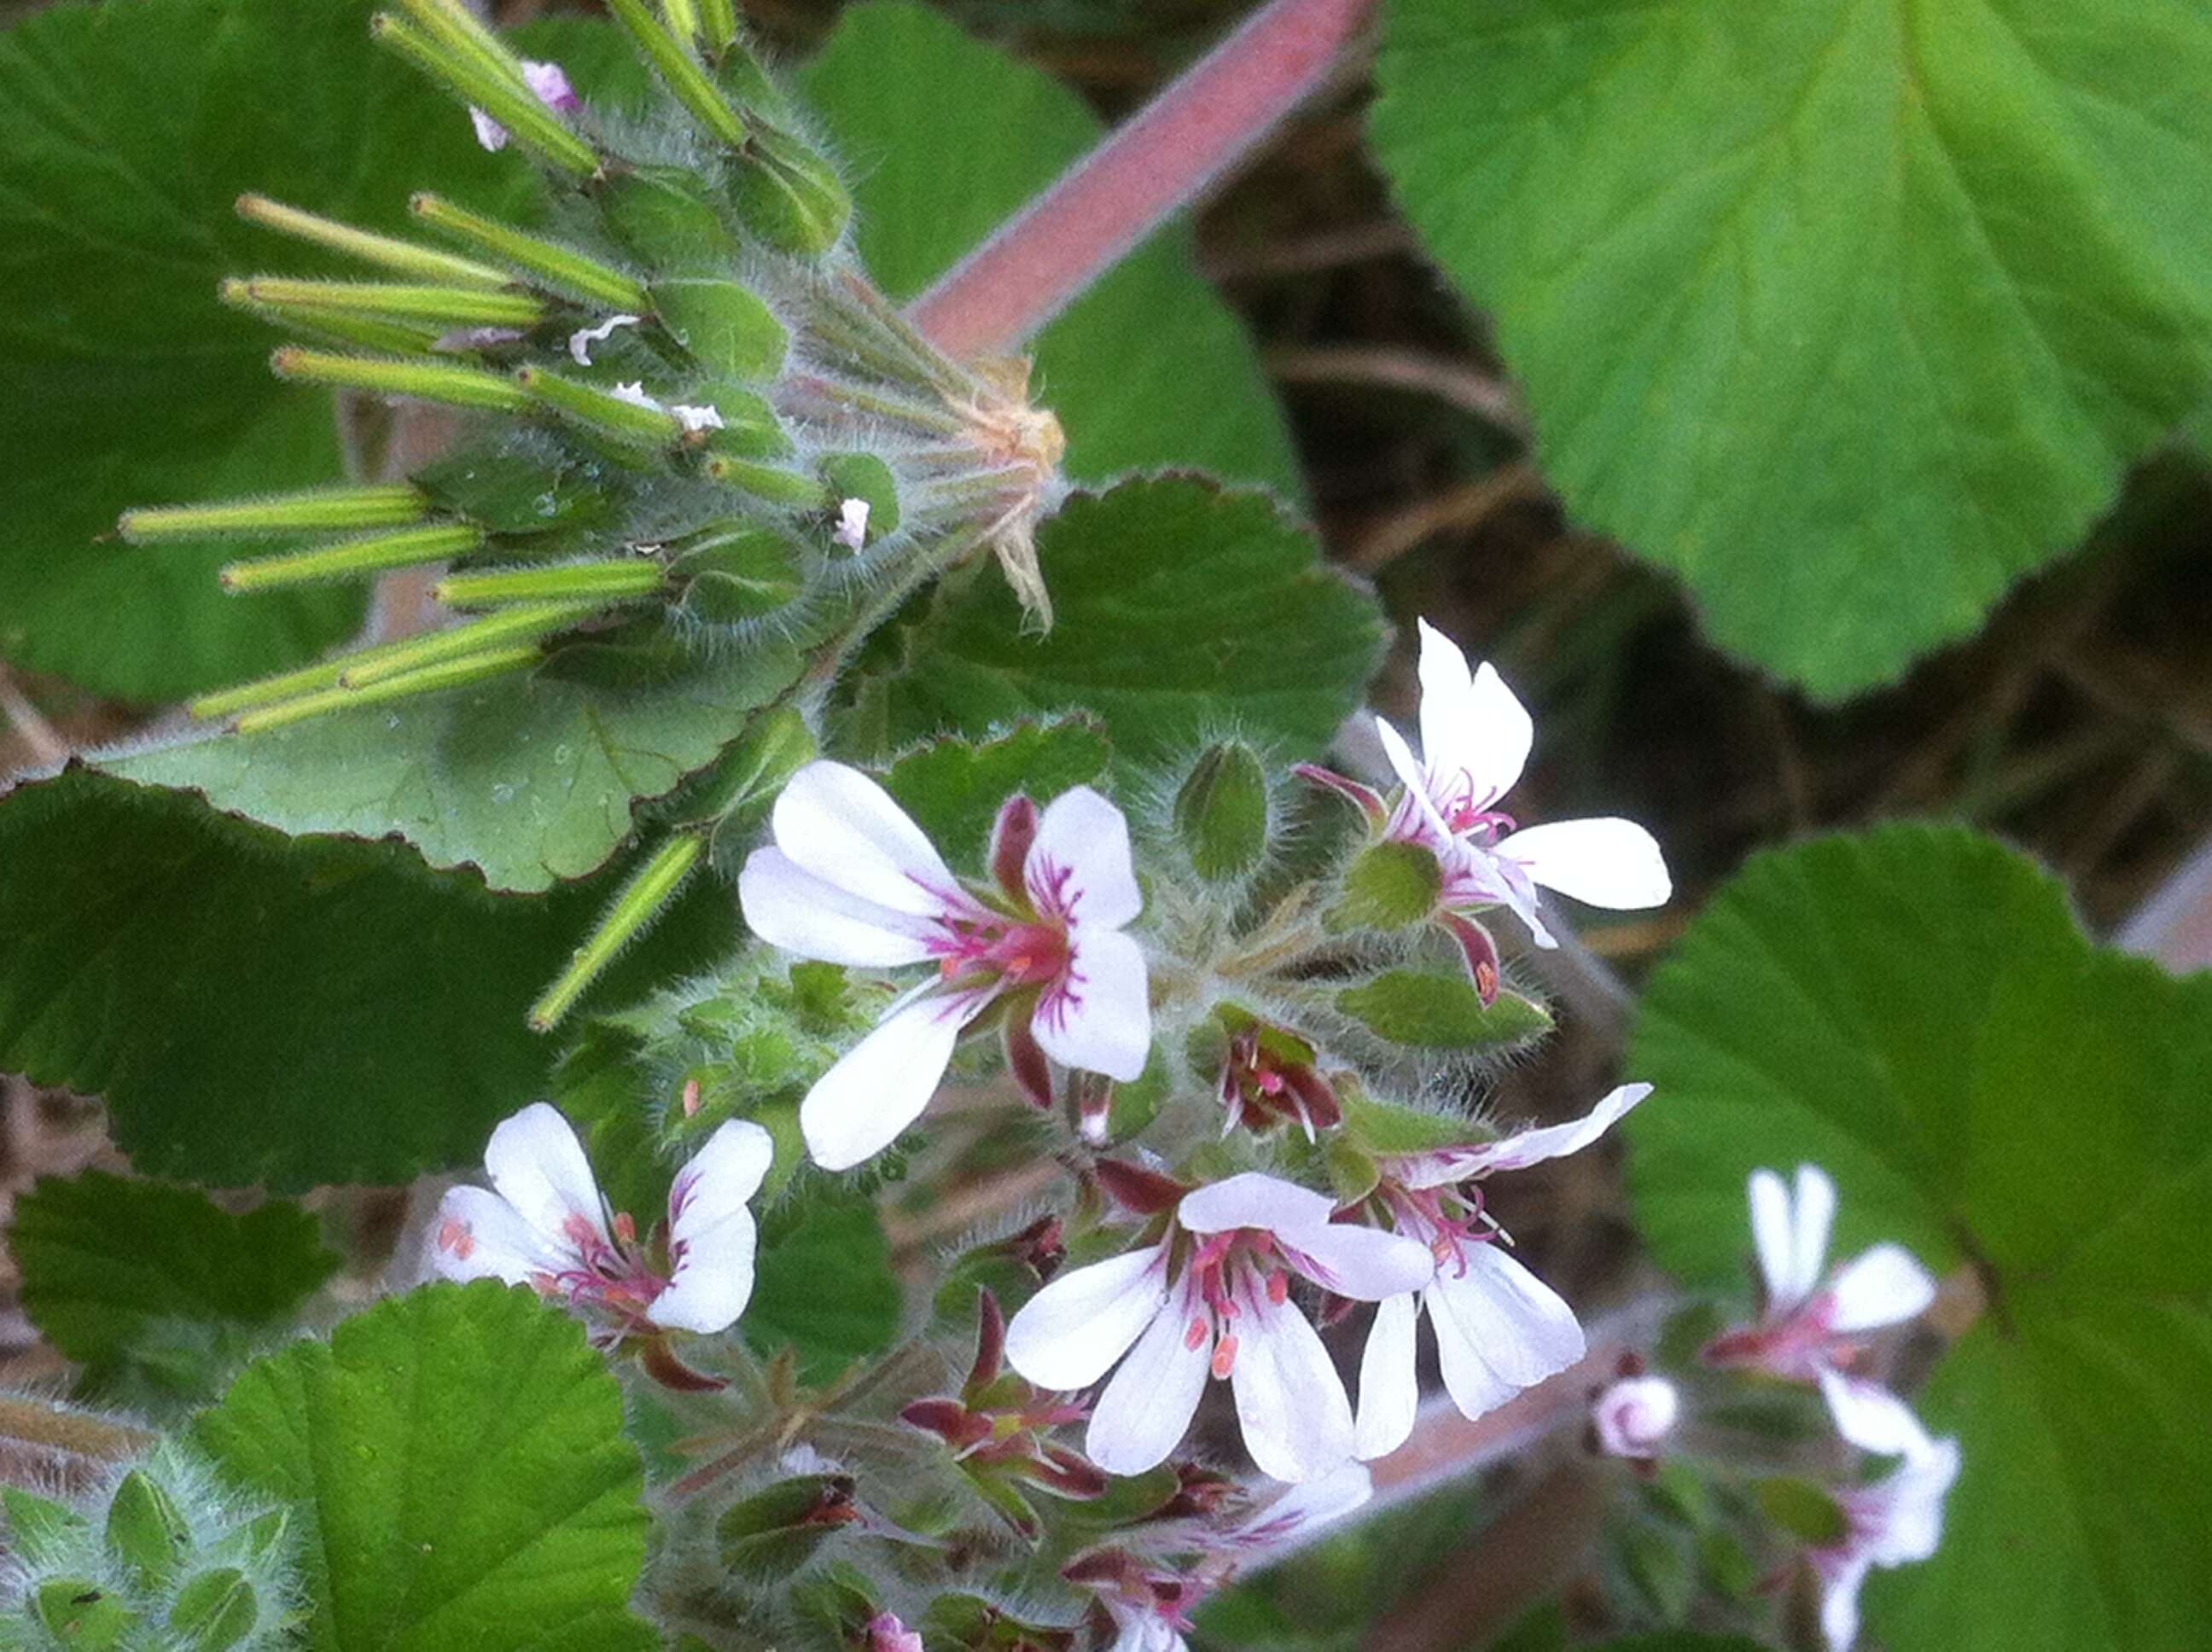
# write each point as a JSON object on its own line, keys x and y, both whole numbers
{"x": 1184, "y": 139}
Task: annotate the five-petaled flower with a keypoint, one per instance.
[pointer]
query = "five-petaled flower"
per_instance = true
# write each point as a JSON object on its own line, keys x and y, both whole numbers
{"x": 1498, "y": 1328}
{"x": 1809, "y": 1327}
{"x": 543, "y": 1223}
{"x": 851, "y": 879}
{"x": 549, "y": 83}
{"x": 1892, "y": 1521}
{"x": 1212, "y": 1294}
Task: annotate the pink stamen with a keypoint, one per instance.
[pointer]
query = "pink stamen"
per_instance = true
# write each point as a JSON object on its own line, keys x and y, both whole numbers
{"x": 455, "y": 1238}
{"x": 1225, "y": 1354}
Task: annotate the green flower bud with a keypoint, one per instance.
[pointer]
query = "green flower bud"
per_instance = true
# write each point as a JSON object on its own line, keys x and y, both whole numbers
{"x": 727, "y": 327}
{"x": 789, "y": 194}
{"x": 215, "y": 1611}
{"x": 662, "y": 216}
{"x": 1388, "y": 886}
{"x": 1221, "y": 812}
{"x": 82, "y": 1616}
{"x": 146, "y": 1530}
{"x": 778, "y": 1529}
{"x": 40, "y": 1530}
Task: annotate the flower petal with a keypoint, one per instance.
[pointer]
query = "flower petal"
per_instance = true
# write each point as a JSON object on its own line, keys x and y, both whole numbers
{"x": 1882, "y": 1286}
{"x": 1811, "y": 1220}
{"x": 789, "y": 907}
{"x": 711, "y": 1232}
{"x": 1078, "y": 866}
{"x": 1516, "y": 1325}
{"x": 1473, "y": 724}
{"x": 1389, "y": 1386}
{"x": 1912, "y": 1527}
{"x": 477, "y": 1235}
{"x": 1291, "y": 1404}
{"x": 1519, "y": 1151}
{"x": 1319, "y": 1502}
{"x": 1774, "y": 1236}
{"x": 1253, "y": 1198}
{"x": 1474, "y": 1388}
{"x": 1365, "y": 1264}
{"x": 843, "y": 827}
{"x": 1147, "y": 1409}
{"x": 1416, "y": 781}
{"x": 490, "y": 135}
{"x": 1070, "y": 1333}
{"x": 881, "y": 1085}
{"x": 537, "y": 1165}
{"x": 1840, "y": 1602}
{"x": 1607, "y": 862}
{"x": 1098, "y": 1015}
{"x": 1870, "y": 1417}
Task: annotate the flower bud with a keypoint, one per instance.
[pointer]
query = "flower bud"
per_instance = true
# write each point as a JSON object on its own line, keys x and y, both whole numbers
{"x": 1633, "y": 1416}
{"x": 736, "y": 572}
{"x": 778, "y": 1529}
{"x": 145, "y": 1529}
{"x": 789, "y": 194}
{"x": 82, "y": 1616}
{"x": 1422, "y": 1011}
{"x": 662, "y": 217}
{"x": 214, "y": 1610}
{"x": 1221, "y": 812}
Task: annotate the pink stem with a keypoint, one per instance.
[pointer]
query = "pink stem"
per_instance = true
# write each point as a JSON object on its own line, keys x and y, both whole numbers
{"x": 1184, "y": 139}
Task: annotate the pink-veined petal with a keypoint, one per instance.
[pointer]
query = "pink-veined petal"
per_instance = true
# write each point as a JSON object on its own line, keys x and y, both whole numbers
{"x": 1099, "y": 1016}
{"x": 1144, "y": 1412}
{"x": 1474, "y": 1388}
{"x": 837, "y": 824}
{"x": 1389, "y": 1385}
{"x": 1812, "y": 1218}
{"x": 1253, "y": 1198}
{"x": 1605, "y": 862}
{"x": 1445, "y": 1166}
{"x": 1319, "y": 1502}
{"x": 1840, "y": 1602}
{"x": 1365, "y": 1264}
{"x": 1470, "y": 724}
{"x": 1885, "y": 1285}
{"x": 787, "y": 906}
{"x": 536, "y": 1164}
{"x": 712, "y": 1237}
{"x": 1517, "y": 1326}
{"x": 1870, "y": 1417}
{"x": 1413, "y": 777}
{"x": 881, "y": 1085}
{"x": 1774, "y": 1235}
{"x": 1070, "y": 1333}
{"x": 477, "y": 1235}
{"x": 1079, "y": 866}
{"x": 1912, "y": 1525}
{"x": 1291, "y": 1404}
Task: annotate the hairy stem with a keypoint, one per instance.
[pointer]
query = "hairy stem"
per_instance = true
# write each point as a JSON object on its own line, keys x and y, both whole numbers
{"x": 1181, "y": 143}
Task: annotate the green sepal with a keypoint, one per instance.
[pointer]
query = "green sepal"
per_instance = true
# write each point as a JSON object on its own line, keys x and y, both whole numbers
{"x": 661, "y": 216}
{"x": 1353, "y": 1172}
{"x": 1802, "y": 1509}
{"x": 863, "y": 475}
{"x": 750, "y": 428}
{"x": 733, "y": 792}
{"x": 968, "y": 1622}
{"x": 738, "y": 571}
{"x": 1424, "y": 1010}
{"x": 724, "y": 326}
{"x": 40, "y": 1530}
{"x": 778, "y": 1529}
{"x": 1221, "y": 812}
{"x": 215, "y": 1611}
{"x": 146, "y": 1530}
{"x": 81, "y": 1615}
{"x": 1387, "y": 886}
{"x": 787, "y": 193}
{"x": 1387, "y": 1127}
{"x": 509, "y": 491}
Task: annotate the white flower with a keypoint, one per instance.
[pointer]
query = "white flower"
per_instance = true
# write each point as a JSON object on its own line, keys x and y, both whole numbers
{"x": 1498, "y": 1328}
{"x": 550, "y": 84}
{"x": 1214, "y": 1296}
{"x": 581, "y": 340}
{"x": 1300, "y": 1511}
{"x": 634, "y": 394}
{"x": 1634, "y": 1416}
{"x": 543, "y": 1223}
{"x": 1892, "y": 1521}
{"x": 1809, "y": 1327}
{"x": 695, "y": 418}
{"x": 852, "y": 880}
{"x": 852, "y": 529}
{"x": 1476, "y": 738}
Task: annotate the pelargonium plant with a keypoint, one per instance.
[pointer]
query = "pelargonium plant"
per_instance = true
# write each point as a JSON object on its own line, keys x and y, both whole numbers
{"x": 1177, "y": 1044}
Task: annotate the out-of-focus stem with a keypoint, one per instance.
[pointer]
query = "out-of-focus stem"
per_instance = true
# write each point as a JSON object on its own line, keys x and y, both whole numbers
{"x": 1181, "y": 143}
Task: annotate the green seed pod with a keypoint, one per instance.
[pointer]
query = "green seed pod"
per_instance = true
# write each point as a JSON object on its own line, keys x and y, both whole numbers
{"x": 778, "y": 1529}
{"x": 215, "y": 1611}
{"x": 81, "y": 1615}
{"x": 725, "y": 325}
{"x": 1221, "y": 812}
{"x": 146, "y": 1530}
{"x": 738, "y": 571}
{"x": 789, "y": 195}
{"x": 1388, "y": 886}
{"x": 863, "y": 475}
{"x": 663, "y": 218}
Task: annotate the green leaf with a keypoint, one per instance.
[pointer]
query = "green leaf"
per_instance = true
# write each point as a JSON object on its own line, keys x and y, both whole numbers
{"x": 1432, "y": 1011}
{"x": 532, "y": 779}
{"x": 111, "y": 1300}
{"x": 947, "y": 136}
{"x": 256, "y": 1008}
{"x": 1182, "y": 611}
{"x": 953, "y": 787}
{"x": 126, "y": 133}
{"x": 1849, "y": 313}
{"x": 825, "y": 1288}
{"x": 458, "y": 1455}
{"x": 1916, "y": 1009}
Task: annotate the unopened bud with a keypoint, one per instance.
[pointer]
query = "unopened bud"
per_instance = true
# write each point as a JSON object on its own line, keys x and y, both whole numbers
{"x": 789, "y": 194}
{"x": 1423, "y": 1011}
{"x": 1221, "y": 812}
{"x": 777, "y": 1529}
{"x": 145, "y": 1529}
{"x": 82, "y": 1616}
{"x": 663, "y": 218}
{"x": 215, "y": 1611}
{"x": 1633, "y": 1416}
